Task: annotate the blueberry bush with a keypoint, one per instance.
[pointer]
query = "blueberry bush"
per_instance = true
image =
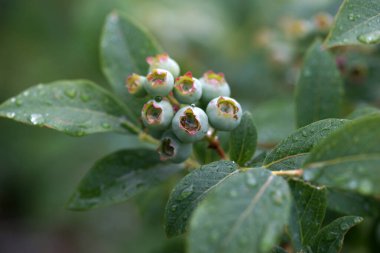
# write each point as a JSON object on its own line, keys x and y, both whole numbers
{"x": 300, "y": 194}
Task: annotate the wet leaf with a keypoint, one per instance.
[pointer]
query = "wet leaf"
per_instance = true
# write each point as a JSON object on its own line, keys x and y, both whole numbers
{"x": 193, "y": 188}
{"x": 120, "y": 176}
{"x": 246, "y": 213}
{"x": 75, "y": 107}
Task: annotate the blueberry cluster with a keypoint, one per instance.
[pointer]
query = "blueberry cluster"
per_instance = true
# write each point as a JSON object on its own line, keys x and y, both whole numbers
{"x": 175, "y": 107}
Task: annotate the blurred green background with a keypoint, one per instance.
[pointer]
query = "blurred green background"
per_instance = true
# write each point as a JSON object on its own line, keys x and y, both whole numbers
{"x": 47, "y": 40}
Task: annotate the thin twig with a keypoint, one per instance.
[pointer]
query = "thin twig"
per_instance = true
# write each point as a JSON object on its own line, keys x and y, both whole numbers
{"x": 291, "y": 173}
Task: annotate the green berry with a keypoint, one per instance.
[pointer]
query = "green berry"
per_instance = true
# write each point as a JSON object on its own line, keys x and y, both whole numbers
{"x": 163, "y": 61}
{"x": 187, "y": 89}
{"x": 224, "y": 113}
{"x": 214, "y": 85}
{"x": 190, "y": 124}
{"x": 160, "y": 82}
{"x": 172, "y": 149}
{"x": 157, "y": 115}
{"x": 135, "y": 85}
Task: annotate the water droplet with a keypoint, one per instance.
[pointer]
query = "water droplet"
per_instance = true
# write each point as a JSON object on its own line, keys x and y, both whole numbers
{"x": 351, "y": 17}
{"x": 358, "y": 219}
{"x": 13, "y": 100}
{"x": 304, "y": 133}
{"x": 344, "y": 226}
{"x": 19, "y": 102}
{"x": 369, "y": 38}
{"x": 353, "y": 184}
{"x": 84, "y": 97}
{"x": 10, "y": 115}
{"x": 307, "y": 72}
{"x": 71, "y": 93}
{"x": 365, "y": 187}
{"x": 251, "y": 180}
{"x": 186, "y": 192}
{"x": 233, "y": 193}
{"x": 80, "y": 133}
{"x": 36, "y": 119}
{"x": 25, "y": 93}
{"x": 105, "y": 125}
{"x": 277, "y": 197}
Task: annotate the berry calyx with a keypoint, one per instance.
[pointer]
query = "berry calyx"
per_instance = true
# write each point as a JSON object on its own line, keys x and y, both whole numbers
{"x": 224, "y": 113}
{"x": 160, "y": 82}
{"x": 187, "y": 89}
{"x": 172, "y": 149}
{"x": 157, "y": 115}
{"x": 135, "y": 85}
{"x": 163, "y": 61}
{"x": 190, "y": 124}
{"x": 214, "y": 85}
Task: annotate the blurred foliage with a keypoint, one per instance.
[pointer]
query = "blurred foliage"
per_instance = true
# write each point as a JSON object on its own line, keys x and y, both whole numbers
{"x": 258, "y": 44}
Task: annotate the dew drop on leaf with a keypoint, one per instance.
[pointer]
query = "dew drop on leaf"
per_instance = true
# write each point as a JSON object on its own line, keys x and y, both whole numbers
{"x": 105, "y": 125}
{"x": 251, "y": 180}
{"x": 369, "y": 38}
{"x": 186, "y": 192}
{"x": 71, "y": 93}
{"x": 365, "y": 187}
{"x": 84, "y": 97}
{"x": 10, "y": 115}
{"x": 233, "y": 193}
{"x": 36, "y": 119}
{"x": 344, "y": 226}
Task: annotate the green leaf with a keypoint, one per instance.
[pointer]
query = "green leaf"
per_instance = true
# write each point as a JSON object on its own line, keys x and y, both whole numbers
{"x": 330, "y": 238}
{"x": 74, "y": 107}
{"x": 247, "y": 213}
{"x": 120, "y": 176}
{"x": 351, "y": 203}
{"x": 349, "y": 158}
{"x": 363, "y": 111}
{"x": 191, "y": 190}
{"x": 123, "y": 49}
{"x": 308, "y": 212}
{"x": 357, "y": 22}
{"x": 319, "y": 91}
{"x": 299, "y": 143}
{"x": 243, "y": 140}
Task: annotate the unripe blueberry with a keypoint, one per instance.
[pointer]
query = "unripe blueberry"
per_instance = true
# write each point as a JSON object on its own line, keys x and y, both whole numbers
{"x": 214, "y": 85}
{"x": 163, "y": 61}
{"x": 187, "y": 89}
{"x": 224, "y": 113}
{"x": 157, "y": 115}
{"x": 159, "y": 82}
{"x": 190, "y": 124}
{"x": 135, "y": 85}
{"x": 172, "y": 149}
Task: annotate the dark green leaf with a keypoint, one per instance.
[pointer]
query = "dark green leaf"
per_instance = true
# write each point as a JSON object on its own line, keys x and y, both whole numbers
{"x": 191, "y": 190}
{"x": 351, "y": 203}
{"x": 349, "y": 158}
{"x": 247, "y": 213}
{"x": 243, "y": 140}
{"x": 300, "y": 142}
{"x": 319, "y": 91}
{"x": 330, "y": 238}
{"x": 75, "y": 107}
{"x": 124, "y": 48}
{"x": 357, "y": 22}
{"x": 308, "y": 212}
{"x": 120, "y": 176}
